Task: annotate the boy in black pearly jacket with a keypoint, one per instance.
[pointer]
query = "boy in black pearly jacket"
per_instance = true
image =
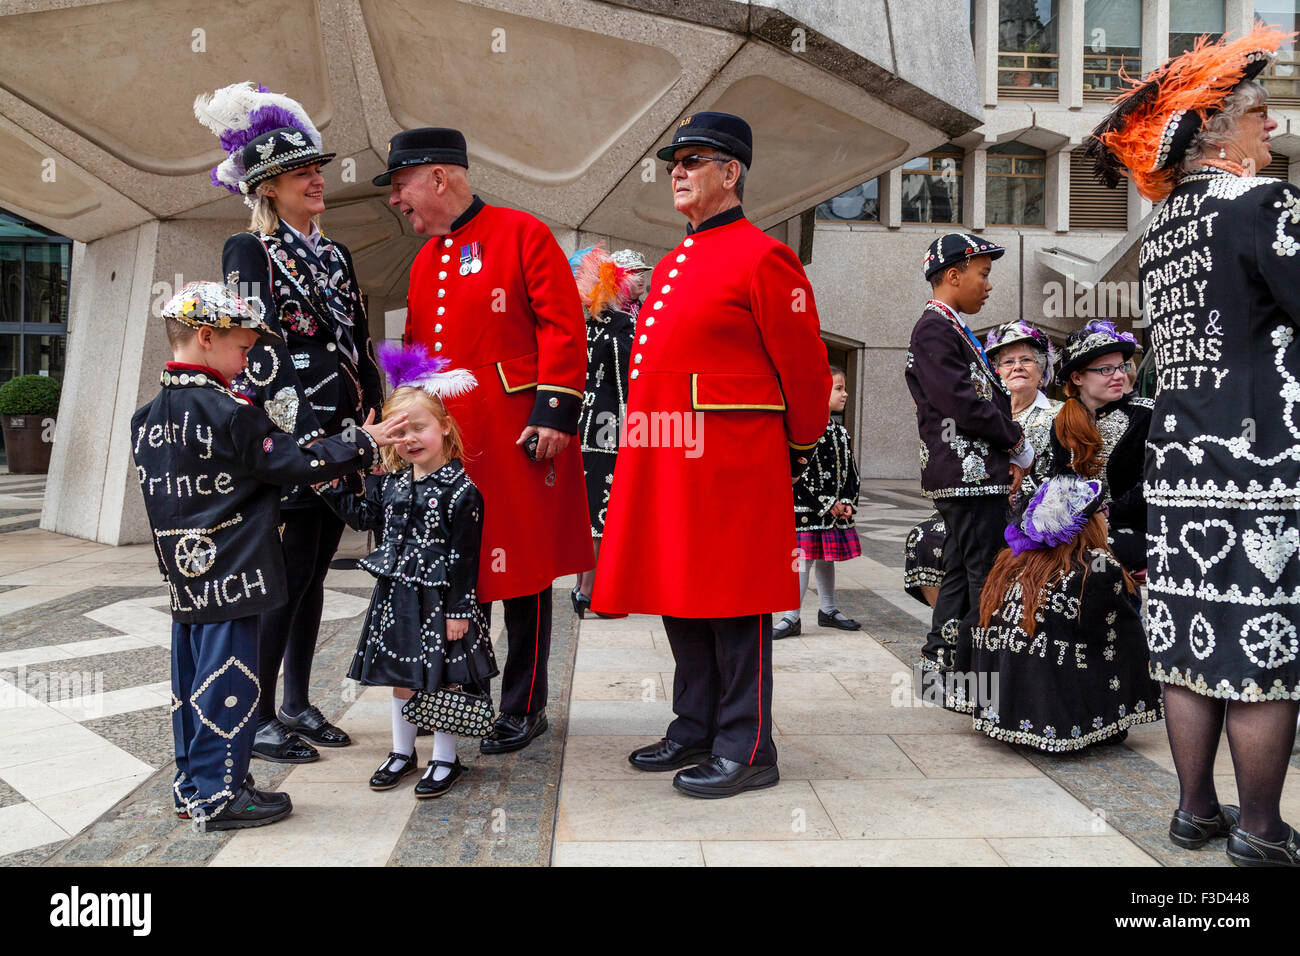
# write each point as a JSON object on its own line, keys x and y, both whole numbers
{"x": 211, "y": 466}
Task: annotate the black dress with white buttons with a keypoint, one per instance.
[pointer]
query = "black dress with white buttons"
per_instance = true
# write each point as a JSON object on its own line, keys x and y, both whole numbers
{"x": 604, "y": 403}
{"x": 430, "y": 530}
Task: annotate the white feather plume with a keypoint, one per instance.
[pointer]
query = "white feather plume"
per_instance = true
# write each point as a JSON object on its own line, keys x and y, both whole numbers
{"x": 448, "y": 384}
{"x": 231, "y": 106}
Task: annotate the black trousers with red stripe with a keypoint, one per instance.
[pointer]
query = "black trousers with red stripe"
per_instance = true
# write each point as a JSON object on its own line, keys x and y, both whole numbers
{"x": 722, "y": 687}
{"x": 528, "y": 642}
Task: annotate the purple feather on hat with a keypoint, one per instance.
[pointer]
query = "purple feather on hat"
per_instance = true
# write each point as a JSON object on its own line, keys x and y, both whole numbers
{"x": 407, "y": 365}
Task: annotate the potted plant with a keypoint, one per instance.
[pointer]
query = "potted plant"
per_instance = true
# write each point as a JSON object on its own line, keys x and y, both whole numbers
{"x": 28, "y": 405}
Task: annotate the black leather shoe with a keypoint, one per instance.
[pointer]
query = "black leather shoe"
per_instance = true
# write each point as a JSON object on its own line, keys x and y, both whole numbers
{"x": 666, "y": 755}
{"x": 786, "y": 628}
{"x": 720, "y": 777}
{"x": 1192, "y": 832}
{"x": 1247, "y": 850}
{"x": 513, "y": 732}
{"x": 428, "y": 787}
{"x": 836, "y": 619}
{"x": 249, "y": 808}
{"x": 385, "y": 779}
{"x": 580, "y": 603}
{"x": 276, "y": 743}
{"x": 312, "y": 725}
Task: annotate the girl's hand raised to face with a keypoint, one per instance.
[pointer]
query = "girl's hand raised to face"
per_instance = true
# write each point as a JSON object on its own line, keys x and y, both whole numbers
{"x": 384, "y": 431}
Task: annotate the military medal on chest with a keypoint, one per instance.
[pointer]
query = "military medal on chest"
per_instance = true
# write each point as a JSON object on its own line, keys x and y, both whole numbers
{"x": 471, "y": 258}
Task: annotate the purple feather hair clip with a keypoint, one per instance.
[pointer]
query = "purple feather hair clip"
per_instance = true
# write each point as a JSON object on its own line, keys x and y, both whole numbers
{"x": 1055, "y": 515}
{"x": 411, "y": 366}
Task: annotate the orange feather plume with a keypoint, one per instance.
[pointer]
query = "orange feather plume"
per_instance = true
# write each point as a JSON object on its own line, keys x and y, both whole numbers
{"x": 602, "y": 282}
{"x": 1196, "y": 81}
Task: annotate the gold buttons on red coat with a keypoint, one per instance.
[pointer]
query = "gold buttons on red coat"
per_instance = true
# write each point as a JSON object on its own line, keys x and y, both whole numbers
{"x": 437, "y": 346}
{"x": 442, "y": 310}
{"x": 665, "y": 290}
{"x": 447, "y": 243}
{"x": 681, "y": 258}
{"x": 672, "y": 273}
{"x": 641, "y": 340}
{"x": 659, "y": 304}
{"x": 442, "y": 275}
{"x": 635, "y": 372}
{"x": 442, "y": 293}
{"x": 446, "y": 258}
{"x": 688, "y": 242}
{"x": 650, "y": 320}
{"x": 438, "y": 327}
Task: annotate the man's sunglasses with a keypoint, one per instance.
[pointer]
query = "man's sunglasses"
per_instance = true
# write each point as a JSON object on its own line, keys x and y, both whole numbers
{"x": 692, "y": 162}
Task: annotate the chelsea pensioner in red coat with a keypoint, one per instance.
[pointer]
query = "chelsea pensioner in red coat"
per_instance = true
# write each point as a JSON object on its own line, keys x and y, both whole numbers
{"x": 517, "y": 324}
{"x": 729, "y": 330}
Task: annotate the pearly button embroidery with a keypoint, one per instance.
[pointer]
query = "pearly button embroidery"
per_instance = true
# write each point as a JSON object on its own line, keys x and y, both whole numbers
{"x": 330, "y": 346}
{"x": 232, "y": 700}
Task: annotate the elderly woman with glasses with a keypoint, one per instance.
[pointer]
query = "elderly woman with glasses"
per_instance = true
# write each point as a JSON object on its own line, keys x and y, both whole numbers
{"x": 1101, "y": 431}
{"x": 1023, "y": 357}
{"x": 1221, "y": 281}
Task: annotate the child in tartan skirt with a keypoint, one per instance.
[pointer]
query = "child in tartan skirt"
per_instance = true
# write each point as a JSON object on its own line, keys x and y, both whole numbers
{"x": 825, "y": 498}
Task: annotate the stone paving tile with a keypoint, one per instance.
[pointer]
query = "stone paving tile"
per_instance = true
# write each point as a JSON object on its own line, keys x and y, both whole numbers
{"x": 8, "y": 795}
{"x": 120, "y": 669}
{"x": 32, "y": 857}
{"x": 61, "y": 621}
{"x": 144, "y": 734}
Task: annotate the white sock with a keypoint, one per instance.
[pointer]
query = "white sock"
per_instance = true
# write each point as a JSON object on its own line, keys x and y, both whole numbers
{"x": 444, "y": 748}
{"x": 825, "y": 574}
{"x": 403, "y": 734}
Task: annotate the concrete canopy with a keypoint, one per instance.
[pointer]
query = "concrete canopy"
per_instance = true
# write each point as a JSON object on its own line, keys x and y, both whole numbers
{"x": 563, "y": 103}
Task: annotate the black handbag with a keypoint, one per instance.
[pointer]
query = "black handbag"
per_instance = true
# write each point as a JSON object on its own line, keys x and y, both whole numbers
{"x": 456, "y": 712}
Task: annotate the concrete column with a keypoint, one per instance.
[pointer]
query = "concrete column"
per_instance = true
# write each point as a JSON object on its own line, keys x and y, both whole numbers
{"x": 891, "y": 198}
{"x": 972, "y": 204}
{"x": 1056, "y": 192}
{"x": 1238, "y": 16}
{"x": 1138, "y": 208}
{"x": 1293, "y": 169}
{"x": 116, "y": 349}
{"x": 1069, "y": 40}
{"x": 1155, "y": 33}
{"x": 986, "y": 49}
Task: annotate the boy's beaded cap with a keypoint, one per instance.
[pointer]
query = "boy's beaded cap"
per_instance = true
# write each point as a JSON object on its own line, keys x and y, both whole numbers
{"x": 218, "y": 306}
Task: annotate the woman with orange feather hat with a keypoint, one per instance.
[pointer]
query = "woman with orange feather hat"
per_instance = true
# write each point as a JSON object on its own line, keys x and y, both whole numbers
{"x": 1221, "y": 289}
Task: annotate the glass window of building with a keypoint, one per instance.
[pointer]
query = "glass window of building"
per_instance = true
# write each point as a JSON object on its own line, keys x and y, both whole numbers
{"x": 1112, "y": 41}
{"x": 1281, "y": 78}
{"x": 860, "y": 204}
{"x": 1189, "y": 19}
{"x": 35, "y": 266}
{"x": 1017, "y": 174}
{"x": 931, "y": 186}
{"x": 1028, "y": 49}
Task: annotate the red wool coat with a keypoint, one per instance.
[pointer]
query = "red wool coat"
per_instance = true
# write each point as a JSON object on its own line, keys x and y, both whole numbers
{"x": 517, "y": 324}
{"x": 729, "y": 337}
